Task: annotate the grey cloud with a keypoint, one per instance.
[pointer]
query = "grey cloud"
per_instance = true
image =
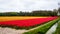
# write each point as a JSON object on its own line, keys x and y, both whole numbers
{"x": 17, "y": 5}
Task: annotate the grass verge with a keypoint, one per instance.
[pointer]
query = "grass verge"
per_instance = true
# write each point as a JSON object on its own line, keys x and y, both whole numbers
{"x": 58, "y": 28}
{"x": 42, "y": 29}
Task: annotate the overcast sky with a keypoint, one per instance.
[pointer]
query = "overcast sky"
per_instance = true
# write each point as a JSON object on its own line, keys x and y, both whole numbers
{"x": 27, "y": 5}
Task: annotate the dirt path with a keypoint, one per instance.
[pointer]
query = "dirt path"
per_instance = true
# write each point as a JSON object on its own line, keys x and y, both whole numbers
{"x": 11, "y": 31}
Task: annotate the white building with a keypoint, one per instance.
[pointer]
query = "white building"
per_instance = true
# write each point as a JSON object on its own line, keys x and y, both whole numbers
{"x": 58, "y": 14}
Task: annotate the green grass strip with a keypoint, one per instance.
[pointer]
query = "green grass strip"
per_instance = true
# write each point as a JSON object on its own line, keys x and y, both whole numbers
{"x": 58, "y": 28}
{"x": 42, "y": 29}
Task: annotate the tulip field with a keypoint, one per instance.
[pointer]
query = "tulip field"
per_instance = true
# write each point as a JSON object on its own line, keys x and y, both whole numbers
{"x": 24, "y": 22}
{"x": 34, "y": 25}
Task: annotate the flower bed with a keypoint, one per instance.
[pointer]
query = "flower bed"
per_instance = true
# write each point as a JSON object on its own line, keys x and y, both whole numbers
{"x": 27, "y": 22}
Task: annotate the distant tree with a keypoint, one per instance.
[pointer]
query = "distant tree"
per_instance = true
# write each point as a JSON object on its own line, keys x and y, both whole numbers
{"x": 13, "y": 13}
{"x": 55, "y": 12}
{"x": 58, "y": 11}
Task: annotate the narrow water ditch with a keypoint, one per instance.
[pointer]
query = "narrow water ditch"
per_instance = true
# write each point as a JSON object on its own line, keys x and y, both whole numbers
{"x": 52, "y": 29}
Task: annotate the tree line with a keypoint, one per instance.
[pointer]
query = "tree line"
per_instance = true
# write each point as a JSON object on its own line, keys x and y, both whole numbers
{"x": 33, "y": 13}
